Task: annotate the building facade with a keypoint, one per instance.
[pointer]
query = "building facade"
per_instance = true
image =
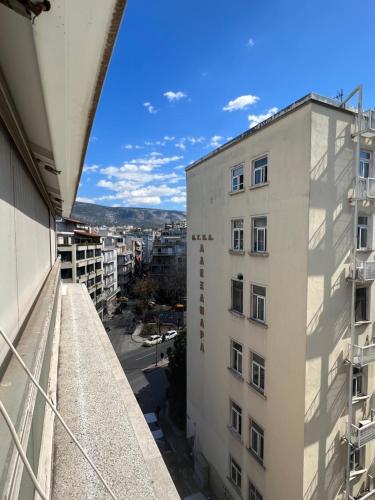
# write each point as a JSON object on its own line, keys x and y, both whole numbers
{"x": 110, "y": 284}
{"x": 280, "y": 374}
{"x": 125, "y": 269}
{"x": 80, "y": 251}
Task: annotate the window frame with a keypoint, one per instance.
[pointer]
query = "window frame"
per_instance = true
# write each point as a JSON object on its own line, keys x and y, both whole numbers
{"x": 258, "y": 298}
{"x": 254, "y": 493}
{"x": 355, "y": 459}
{"x": 255, "y": 231}
{"x": 365, "y": 161}
{"x": 365, "y": 304}
{"x": 357, "y": 382}
{"x": 233, "y": 280}
{"x": 258, "y": 387}
{"x": 257, "y": 431}
{"x": 240, "y": 237}
{"x": 233, "y": 465}
{"x": 237, "y": 177}
{"x": 235, "y": 355}
{"x": 363, "y": 228}
{"x": 235, "y": 417}
{"x": 263, "y": 169}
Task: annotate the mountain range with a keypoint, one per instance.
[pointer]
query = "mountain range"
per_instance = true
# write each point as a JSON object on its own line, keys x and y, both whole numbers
{"x": 120, "y": 216}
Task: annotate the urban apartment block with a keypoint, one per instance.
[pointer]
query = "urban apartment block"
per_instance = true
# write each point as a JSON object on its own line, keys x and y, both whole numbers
{"x": 280, "y": 377}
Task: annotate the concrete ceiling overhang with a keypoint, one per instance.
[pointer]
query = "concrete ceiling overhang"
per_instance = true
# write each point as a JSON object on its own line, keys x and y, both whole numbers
{"x": 53, "y": 71}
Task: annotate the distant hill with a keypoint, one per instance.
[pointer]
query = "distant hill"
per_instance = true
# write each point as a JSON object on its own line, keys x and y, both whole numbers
{"x": 120, "y": 216}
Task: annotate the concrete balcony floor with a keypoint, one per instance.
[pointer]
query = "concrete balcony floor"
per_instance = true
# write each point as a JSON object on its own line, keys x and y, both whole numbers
{"x": 98, "y": 405}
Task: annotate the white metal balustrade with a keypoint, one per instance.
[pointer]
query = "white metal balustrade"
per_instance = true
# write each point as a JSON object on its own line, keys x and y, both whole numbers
{"x": 365, "y": 271}
{"x": 363, "y": 434}
{"x": 365, "y": 188}
{"x": 363, "y": 355}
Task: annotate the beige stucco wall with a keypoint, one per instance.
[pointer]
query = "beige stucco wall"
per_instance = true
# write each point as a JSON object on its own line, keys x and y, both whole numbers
{"x": 328, "y": 306}
{"x": 211, "y": 385}
{"x": 26, "y": 240}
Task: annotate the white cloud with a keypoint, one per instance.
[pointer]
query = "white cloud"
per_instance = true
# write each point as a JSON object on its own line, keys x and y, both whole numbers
{"x": 250, "y": 42}
{"x": 90, "y": 168}
{"x": 178, "y": 199}
{"x": 241, "y": 102}
{"x": 174, "y": 96}
{"x": 150, "y": 108}
{"x": 255, "y": 119}
{"x": 179, "y": 167}
{"x": 215, "y": 141}
{"x": 84, "y": 199}
{"x": 181, "y": 145}
{"x": 195, "y": 140}
{"x": 127, "y": 146}
{"x": 93, "y": 138}
{"x": 169, "y": 138}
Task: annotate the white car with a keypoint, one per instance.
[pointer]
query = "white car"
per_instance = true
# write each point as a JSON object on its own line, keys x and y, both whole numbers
{"x": 153, "y": 340}
{"x": 171, "y": 334}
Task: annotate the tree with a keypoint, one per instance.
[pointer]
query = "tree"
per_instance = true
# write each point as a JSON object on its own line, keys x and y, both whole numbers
{"x": 145, "y": 289}
{"x": 177, "y": 379}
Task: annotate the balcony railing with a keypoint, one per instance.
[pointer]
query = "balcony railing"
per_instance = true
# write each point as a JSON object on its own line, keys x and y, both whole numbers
{"x": 363, "y": 434}
{"x": 363, "y": 355}
{"x": 365, "y": 188}
{"x": 365, "y": 271}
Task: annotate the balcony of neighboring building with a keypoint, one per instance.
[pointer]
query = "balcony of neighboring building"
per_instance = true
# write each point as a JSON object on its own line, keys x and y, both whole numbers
{"x": 364, "y": 355}
{"x": 67, "y": 349}
{"x": 364, "y": 432}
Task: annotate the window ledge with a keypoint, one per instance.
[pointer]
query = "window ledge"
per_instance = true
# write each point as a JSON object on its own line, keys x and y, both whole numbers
{"x": 255, "y": 456}
{"x": 357, "y": 399}
{"x": 364, "y": 322}
{"x": 236, "y": 252}
{"x": 257, "y": 186}
{"x": 235, "y": 373}
{"x": 257, "y": 322}
{"x": 364, "y": 250}
{"x": 258, "y": 254}
{"x": 356, "y": 473}
{"x": 231, "y": 193}
{"x": 256, "y": 390}
{"x": 236, "y": 313}
{"x": 235, "y": 434}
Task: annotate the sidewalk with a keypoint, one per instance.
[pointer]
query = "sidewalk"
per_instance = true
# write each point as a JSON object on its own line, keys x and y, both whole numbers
{"x": 136, "y": 335}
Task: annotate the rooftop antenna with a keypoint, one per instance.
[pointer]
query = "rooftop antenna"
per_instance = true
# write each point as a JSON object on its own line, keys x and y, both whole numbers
{"x": 340, "y": 95}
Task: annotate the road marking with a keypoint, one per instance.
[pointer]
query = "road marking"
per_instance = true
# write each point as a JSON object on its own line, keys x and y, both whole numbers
{"x": 146, "y": 356}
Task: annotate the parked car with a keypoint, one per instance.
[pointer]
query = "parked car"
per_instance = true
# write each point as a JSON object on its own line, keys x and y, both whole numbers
{"x": 154, "y": 426}
{"x": 171, "y": 334}
{"x": 152, "y": 340}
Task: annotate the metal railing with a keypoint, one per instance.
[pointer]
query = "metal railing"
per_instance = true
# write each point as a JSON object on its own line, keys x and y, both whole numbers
{"x": 12, "y": 430}
{"x": 365, "y": 188}
{"x": 365, "y": 270}
{"x": 359, "y": 436}
{"x": 363, "y": 355}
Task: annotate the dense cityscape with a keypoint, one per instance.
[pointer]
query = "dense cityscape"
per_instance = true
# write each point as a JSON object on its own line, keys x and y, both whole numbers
{"x": 187, "y": 250}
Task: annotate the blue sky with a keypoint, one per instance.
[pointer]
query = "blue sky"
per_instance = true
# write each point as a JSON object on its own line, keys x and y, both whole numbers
{"x": 187, "y": 76}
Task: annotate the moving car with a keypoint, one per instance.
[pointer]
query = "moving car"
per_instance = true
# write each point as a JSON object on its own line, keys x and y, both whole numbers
{"x": 171, "y": 334}
{"x": 152, "y": 340}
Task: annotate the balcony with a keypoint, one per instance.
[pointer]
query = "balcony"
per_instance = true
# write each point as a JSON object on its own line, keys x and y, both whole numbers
{"x": 63, "y": 338}
{"x": 363, "y": 355}
{"x": 364, "y": 433}
{"x": 365, "y": 271}
{"x": 365, "y": 189}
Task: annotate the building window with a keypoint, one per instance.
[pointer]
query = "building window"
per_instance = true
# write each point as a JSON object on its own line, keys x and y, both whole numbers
{"x": 235, "y": 473}
{"x": 254, "y": 493}
{"x": 362, "y": 232}
{"x": 66, "y": 274}
{"x": 357, "y": 382}
{"x": 80, "y": 254}
{"x": 237, "y": 234}
{"x": 258, "y": 303}
{"x": 260, "y": 171}
{"x": 256, "y": 441}
{"x": 365, "y": 164}
{"x": 355, "y": 459}
{"x": 235, "y": 417}
{"x": 361, "y": 302}
{"x": 259, "y": 231}
{"x": 236, "y": 357}
{"x": 257, "y": 372}
{"x": 237, "y": 296}
{"x": 237, "y": 178}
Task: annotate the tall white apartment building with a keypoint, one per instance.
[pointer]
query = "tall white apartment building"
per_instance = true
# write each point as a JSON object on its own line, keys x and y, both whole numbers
{"x": 111, "y": 287}
{"x": 281, "y": 307}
